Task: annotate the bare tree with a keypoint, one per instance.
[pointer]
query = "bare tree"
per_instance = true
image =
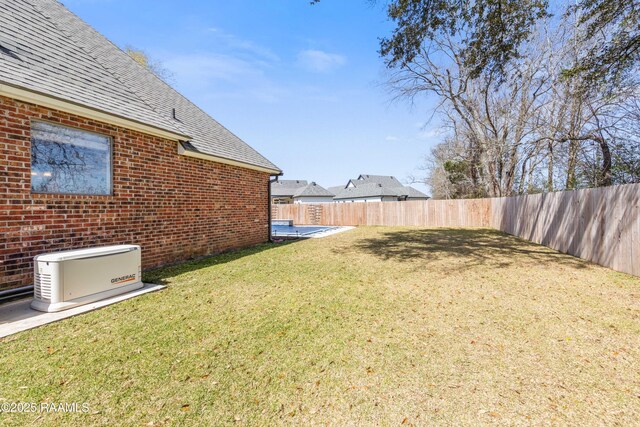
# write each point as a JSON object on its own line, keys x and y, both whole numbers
{"x": 491, "y": 117}
{"x": 531, "y": 129}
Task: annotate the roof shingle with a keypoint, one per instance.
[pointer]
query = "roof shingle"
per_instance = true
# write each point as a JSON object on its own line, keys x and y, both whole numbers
{"x": 54, "y": 52}
{"x": 313, "y": 190}
{"x": 287, "y": 187}
{"x": 366, "y": 186}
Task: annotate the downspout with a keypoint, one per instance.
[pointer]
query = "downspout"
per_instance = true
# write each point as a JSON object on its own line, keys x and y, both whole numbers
{"x": 269, "y": 201}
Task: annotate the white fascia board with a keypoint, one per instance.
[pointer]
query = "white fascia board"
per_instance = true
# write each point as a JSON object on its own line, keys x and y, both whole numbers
{"x": 195, "y": 154}
{"x": 37, "y": 98}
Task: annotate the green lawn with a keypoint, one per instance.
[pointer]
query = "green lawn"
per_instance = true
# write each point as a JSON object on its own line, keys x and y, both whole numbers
{"x": 384, "y": 326}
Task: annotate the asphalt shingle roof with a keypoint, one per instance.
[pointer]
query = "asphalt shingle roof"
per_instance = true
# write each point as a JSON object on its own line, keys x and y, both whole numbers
{"x": 384, "y": 180}
{"x": 47, "y": 49}
{"x": 287, "y": 187}
{"x": 376, "y": 186}
{"x": 313, "y": 190}
{"x": 335, "y": 190}
{"x": 412, "y": 193}
{"x": 367, "y": 190}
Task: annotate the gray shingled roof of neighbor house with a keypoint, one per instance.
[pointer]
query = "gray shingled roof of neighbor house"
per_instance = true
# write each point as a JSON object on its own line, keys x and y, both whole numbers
{"x": 335, "y": 190}
{"x": 47, "y": 49}
{"x": 376, "y": 186}
{"x": 368, "y": 190}
{"x": 313, "y": 190}
{"x": 384, "y": 180}
{"x": 287, "y": 187}
{"x": 412, "y": 193}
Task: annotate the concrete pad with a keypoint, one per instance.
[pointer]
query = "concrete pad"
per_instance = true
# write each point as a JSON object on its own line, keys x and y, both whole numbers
{"x": 18, "y": 316}
{"x": 316, "y": 235}
{"x": 329, "y": 232}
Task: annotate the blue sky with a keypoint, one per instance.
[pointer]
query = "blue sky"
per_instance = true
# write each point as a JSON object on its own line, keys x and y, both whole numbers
{"x": 302, "y": 84}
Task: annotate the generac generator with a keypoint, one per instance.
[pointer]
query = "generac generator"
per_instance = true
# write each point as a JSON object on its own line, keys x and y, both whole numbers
{"x": 63, "y": 280}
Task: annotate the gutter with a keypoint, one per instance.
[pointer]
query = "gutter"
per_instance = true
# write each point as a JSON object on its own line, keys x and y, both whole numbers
{"x": 269, "y": 202}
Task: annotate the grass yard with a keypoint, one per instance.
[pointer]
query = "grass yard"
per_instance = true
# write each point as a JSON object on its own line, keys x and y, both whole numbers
{"x": 384, "y": 326}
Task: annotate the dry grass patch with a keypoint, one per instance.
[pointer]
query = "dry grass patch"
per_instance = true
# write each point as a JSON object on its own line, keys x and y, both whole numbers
{"x": 373, "y": 326}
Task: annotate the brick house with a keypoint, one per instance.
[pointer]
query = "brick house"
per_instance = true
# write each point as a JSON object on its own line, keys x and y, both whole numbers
{"x": 96, "y": 150}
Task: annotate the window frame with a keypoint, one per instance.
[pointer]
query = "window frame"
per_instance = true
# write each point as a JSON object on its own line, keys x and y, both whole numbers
{"x": 111, "y": 156}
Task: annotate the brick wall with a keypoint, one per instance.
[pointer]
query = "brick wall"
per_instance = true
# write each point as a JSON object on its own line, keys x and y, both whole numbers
{"x": 175, "y": 207}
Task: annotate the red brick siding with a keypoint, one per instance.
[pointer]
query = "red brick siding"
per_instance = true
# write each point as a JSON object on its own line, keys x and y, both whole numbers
{"x": 175, "y": 207}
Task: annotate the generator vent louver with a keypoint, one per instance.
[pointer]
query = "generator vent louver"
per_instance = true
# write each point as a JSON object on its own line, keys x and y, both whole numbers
{"x": 42, "y": 286}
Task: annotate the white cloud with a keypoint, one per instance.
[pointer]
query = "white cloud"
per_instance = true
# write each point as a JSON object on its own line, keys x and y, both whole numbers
{"x": 235, "y": 68}
{"x": 318, "y": 61}
{"x": 239, "y": 45}
{"x": 230, "y": 67}
{"x": 391, "y": 138}
{"x": 224, "y": 76}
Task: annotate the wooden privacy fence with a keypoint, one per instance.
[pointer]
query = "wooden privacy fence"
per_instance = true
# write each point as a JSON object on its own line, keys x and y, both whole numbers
{"x": 601, "y": 225}
{"x": 427, "y": 213}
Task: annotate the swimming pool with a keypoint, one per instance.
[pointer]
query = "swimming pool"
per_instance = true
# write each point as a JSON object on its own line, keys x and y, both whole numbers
{"x": 297, "y": 230}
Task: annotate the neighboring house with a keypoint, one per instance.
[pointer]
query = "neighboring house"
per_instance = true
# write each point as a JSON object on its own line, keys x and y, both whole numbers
{"x": 313, "y": 193}
{"x": 96, "y": 150}
{"x": 375, "y": 188}
{"x": 282, "y": 190}
{"x": 366, "y": 188}
{"x": 288, "y": 191}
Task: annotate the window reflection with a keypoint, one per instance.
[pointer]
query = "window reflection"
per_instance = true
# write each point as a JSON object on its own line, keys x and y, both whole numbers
{"x": 67, "y": 160}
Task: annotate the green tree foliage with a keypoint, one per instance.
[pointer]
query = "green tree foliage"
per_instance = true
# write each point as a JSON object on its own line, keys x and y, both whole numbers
{"x": 613, "y": 27}
{"x": 461, "y": 186}
{"x": 489, "y": 32}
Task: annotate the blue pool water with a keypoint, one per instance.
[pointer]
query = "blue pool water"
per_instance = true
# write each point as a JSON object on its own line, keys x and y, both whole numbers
{"x": 296, "y": 230}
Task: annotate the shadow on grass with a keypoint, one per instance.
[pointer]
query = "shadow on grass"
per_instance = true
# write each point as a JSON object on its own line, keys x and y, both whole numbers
{"x": 161, "y": 275}
{"x": 475, "y": 246}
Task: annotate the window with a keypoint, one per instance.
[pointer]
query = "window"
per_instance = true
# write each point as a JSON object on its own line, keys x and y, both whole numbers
{"x": 69, "y": 161}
